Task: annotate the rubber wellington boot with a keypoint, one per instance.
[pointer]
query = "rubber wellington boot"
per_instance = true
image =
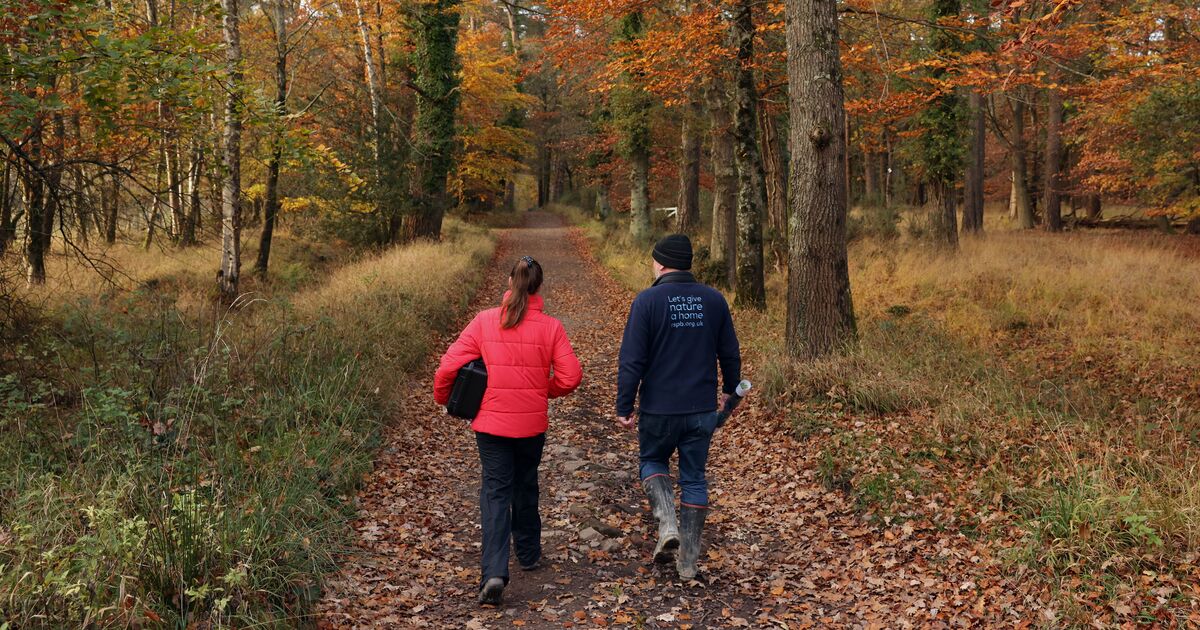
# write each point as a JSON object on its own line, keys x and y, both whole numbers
{"x": 492, "y": 592}
{"x": 691, "y": 522}
{"x": 662, "y": 504}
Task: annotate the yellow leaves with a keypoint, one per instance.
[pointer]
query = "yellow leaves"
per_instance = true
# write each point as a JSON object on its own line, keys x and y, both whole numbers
{"x": 490, "y": 76}
{"x": 329, "y": 158}
{"x": 490, "y": 156}
{"x": 491, "y": 151}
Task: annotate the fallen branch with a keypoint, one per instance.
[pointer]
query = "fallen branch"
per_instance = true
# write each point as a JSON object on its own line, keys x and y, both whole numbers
{"x": 1164, "y": 224}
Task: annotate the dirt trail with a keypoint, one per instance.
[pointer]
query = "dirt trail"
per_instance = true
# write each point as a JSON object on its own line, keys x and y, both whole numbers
{"x": 781, "y": 550}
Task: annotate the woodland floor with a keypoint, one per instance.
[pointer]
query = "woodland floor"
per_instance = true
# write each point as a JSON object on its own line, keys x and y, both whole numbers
{"x": 781, "y": 550}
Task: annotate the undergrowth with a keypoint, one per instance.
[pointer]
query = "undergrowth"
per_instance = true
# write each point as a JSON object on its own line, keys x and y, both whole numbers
{"x": 162, "y": 462}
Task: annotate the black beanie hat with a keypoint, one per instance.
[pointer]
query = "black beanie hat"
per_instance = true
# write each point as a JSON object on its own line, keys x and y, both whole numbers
{"x": 674, "y": 251}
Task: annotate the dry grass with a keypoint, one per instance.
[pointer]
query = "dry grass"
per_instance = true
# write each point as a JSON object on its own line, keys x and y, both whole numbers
{"x": 188, "y": 274}
{"x": 1130, "y": 297}
{"x": 380, "y": 302}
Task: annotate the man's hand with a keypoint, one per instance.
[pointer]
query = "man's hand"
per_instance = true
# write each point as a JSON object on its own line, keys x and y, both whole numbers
{"x": 627, "y": 422}
{"x": 725, "y": 399}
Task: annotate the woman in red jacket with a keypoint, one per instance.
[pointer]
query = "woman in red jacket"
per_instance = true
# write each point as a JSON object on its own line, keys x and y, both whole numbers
{"x": 529, "y": 361}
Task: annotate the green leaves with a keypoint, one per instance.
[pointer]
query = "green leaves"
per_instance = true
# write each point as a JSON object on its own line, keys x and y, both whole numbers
{"x": 77, "y": 55}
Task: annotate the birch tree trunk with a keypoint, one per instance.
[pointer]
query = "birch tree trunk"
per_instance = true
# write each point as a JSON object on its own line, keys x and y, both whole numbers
{"x": 375, "y": 96}
{"x": 156, "y": 200}
{"x": 191, "y": 222}
{"x": 820, "y": 317}
{"x": 231, "y": 190}
{"x": 175, "y": 185}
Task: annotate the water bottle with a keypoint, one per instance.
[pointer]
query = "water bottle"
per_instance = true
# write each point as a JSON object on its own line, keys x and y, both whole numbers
{"x": 743, "y": 388}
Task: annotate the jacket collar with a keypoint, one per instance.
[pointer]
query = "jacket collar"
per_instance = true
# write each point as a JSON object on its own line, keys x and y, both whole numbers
{"x": 674, "y": 277}
{"x": 536, "y": 303}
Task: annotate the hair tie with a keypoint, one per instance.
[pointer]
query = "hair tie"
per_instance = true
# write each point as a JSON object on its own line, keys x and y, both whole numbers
{"x": 528, "y": 261}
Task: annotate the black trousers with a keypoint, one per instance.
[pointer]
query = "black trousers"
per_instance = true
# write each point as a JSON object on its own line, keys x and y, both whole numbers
{"x": 508, "y": 501}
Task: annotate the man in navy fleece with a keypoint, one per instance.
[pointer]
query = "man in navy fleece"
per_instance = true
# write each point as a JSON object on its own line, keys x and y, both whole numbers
{"x": 678, "y": 332}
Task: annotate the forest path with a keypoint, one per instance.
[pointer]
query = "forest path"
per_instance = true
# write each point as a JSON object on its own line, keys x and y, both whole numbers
{"x": 780, "y": 550}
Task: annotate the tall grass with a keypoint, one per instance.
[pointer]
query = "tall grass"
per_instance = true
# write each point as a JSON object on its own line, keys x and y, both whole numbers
{"x": 164, "y": 462}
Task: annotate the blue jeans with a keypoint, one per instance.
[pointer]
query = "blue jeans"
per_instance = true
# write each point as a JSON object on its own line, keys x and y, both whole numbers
{"x": 660, "y": 436}
{"x": 508, "y": 501}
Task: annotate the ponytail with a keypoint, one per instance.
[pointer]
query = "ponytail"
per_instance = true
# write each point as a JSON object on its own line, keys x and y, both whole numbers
{"x": 526, "y": 279}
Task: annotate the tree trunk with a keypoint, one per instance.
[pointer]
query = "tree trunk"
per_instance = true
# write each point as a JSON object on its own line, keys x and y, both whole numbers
{"x": 639, "y": 197}
{"x": 543, "y": 175}
{"x": 231, "y": 190}
{"x": 514, "y": 34}
{"x": 437, "y": 78}
{"x": 54, "y": 189}
{"x": 1052, "y": 164}
{"x": 175, "y": 186}
{"x": 603, "y": 207}
{"x": 82, "y": 208}
{"x": 556, "y": 178}
{"x": 8, "y": 227}
{"x": 1020, "y": 171}
{"x": 1094, "y": 207}
{"x": 945, "y": 220}
{"x": 973, "y": 208}
{"x": 112, "y": 207}
{"x": 36, "y": 210}
{"x": 820, "y": 317}
{"x": 776, "y": 183}
{"x": 156, "y": 200}
{"x": 273, "y": 163}
{"x": 870, "y": 178}
{"x": 191, "y": 221}
{"x": 375, "y": 96}
{"x": 723, "y": 247}
{"x": 687, "y": 212}
{"x": 942, "y": 137}
{"x": 752, "y": 194}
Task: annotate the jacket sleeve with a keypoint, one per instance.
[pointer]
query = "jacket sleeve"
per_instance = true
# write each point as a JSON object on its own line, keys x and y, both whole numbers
{"x": 567, "y": 373}
{"x": 464, "y": 350}
{"x": 729, "y": 354}
{"x": 635, "y": 350}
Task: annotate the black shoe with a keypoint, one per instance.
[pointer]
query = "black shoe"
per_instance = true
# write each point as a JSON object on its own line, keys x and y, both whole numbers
{"x": 492, "y": 592}
{"x": 691, "y": 525}
{"x": 662, "y": 505}
{"x": 532, "y": 566}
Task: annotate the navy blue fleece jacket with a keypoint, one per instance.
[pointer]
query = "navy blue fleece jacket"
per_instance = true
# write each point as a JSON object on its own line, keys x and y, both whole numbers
{"x": 678, "y": 331}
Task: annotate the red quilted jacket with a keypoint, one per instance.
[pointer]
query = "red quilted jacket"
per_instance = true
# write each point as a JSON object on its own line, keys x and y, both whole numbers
{"x": 519, "y": 362}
